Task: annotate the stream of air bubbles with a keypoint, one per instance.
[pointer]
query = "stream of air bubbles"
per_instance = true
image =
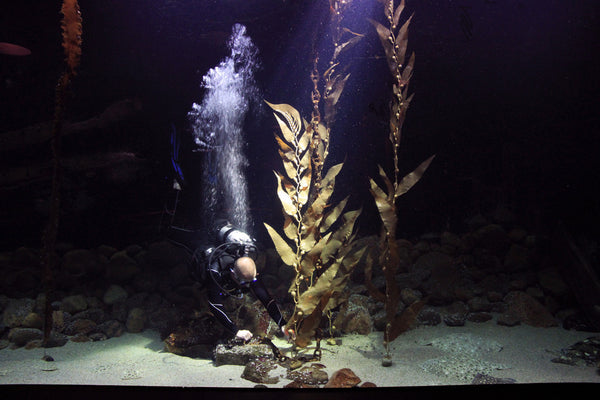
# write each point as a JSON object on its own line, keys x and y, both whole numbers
{"x": 217, "y": 125}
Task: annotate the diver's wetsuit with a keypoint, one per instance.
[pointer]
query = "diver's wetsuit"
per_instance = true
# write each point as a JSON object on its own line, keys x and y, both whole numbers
{"x": 220, "y": 285}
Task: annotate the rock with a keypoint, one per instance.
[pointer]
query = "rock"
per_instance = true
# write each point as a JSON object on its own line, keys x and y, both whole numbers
{"x": 517, "y": 258}
{"x": 136, "y": 320}
{"x": 114, "y": 294}
{"x": 354, "y": 316}
{"x": 450, "y": 243}
{"x": 535, "y": 292}
{"x": 32, "y": 338}
{"x": 80, "y": 338}
{"x": 313, "y": 375}
{"x": 528, "y": 310}
{"x": 477, "y": 304}
{"x": 508, "y": 320}
{"x": 241, "y": 354}
{"x": 97, "y": 337}
{"x": 145, "y": 282}
{"x": 480, "y": 316}
{"x": 25, "y": 258}
{"x": 133, "y": 249}
{"x": 494, "y": 296}
{"x": 121, "y": 268}
{"x": 162, "y": 256}
{"x": 33, "y": 320}
{"x": 445, "y": 277}
{"x": 95, "y": 314}
{"x": 409, "y": 296}
{"x": 343, "y": 378}
{"x": 412, "y": 279}
{"x": 73, "y": 304}
{"x": 22, "y": 336}
{"x": 379, "y": 320}
{"x": 429, "y": 316}
{"x": 83, "y": 263}
{"x": 164, "y": 319}
{"x": 112, "y": 328}
{"x": 137, "y": 300}
{"x": 16, "y": 311}
{"x": 503, "y": 216}
{"x": 368, "y": 385}
{"x": 455, "y": 319}
{"x": 493, "y": 238}
{"x": 585, "y": 352}
{"x": 80, "y": 327}
{"x": 517, "y": 284}
{"x": 119, "y": 311}
{"x": 260, "y": 371}
{"x": 60, "y": 319}
{"x": 4, "y": 300}
{"x": 475, "y": 222}
{"x": 464, "y": 293}
{"x": 517, "y": 235}
{"x": 552, "y": 283}
{"x": 106, "y": 251}
{"x": 57, "y": 340}
{"x": 455, "y": 314}
{"x": 422, "y": 246}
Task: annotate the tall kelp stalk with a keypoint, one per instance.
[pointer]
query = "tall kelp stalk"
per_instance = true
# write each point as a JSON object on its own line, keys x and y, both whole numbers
{"x": 394, "y": 43}
{"x": 71, "y": 34}
{"x": 318, "y": 242}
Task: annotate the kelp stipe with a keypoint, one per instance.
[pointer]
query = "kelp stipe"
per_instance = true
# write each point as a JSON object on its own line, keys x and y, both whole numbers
{"x": 320, "y": 251}
{"x": 394, "y": 42}
{"x": 71, "y": 34}
{"x": 343, "y": 39}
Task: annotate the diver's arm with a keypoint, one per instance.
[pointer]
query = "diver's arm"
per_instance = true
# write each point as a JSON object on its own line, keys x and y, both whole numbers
{"x": 215, "y": 302}
{"x": 261, "y": 293}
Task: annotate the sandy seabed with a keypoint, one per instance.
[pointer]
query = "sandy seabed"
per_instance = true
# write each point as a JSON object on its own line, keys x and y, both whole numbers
{"x": 522, "y": 353}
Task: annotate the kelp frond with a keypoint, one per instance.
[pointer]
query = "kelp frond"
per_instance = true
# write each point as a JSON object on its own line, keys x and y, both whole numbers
{"x": 317, "y": 235}
{"x": 394, "y": 39}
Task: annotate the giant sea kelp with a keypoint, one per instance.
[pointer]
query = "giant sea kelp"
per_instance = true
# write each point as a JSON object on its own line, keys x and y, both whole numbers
{"x": 394, "y": 39}
{"x": 71, "y": 34}
{"x": 317, "y": 235}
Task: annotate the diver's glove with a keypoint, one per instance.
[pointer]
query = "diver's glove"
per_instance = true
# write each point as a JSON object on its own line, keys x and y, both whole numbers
{"x": 244, "y": 335}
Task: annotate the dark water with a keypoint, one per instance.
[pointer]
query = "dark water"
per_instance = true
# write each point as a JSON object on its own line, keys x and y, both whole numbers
{"x": 505, "y": 95}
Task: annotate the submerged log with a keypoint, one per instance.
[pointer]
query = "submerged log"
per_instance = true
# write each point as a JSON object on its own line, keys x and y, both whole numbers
{"x": 24, "y": 159}
{"x": 41, "y": 133}
{"x": 119, "y": 167}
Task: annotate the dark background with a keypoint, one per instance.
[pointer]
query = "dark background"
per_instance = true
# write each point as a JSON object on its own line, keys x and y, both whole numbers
{"x": 506, "y": 95}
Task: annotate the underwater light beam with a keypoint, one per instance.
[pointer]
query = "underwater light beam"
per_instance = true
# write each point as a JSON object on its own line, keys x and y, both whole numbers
{"x": 217, "y": 126}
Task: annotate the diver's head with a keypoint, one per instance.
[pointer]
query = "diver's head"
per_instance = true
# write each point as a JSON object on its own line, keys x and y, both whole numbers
{"x": 244, "y": 270}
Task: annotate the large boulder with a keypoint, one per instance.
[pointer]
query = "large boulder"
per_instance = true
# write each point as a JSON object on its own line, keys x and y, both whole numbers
{"x": 16, "y": 311}
{"x": 528, "y": 310}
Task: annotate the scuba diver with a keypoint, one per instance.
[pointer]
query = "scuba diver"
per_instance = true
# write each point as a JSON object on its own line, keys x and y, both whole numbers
{"x": 227, "y": 269}
{"x": 227, "y": 266}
